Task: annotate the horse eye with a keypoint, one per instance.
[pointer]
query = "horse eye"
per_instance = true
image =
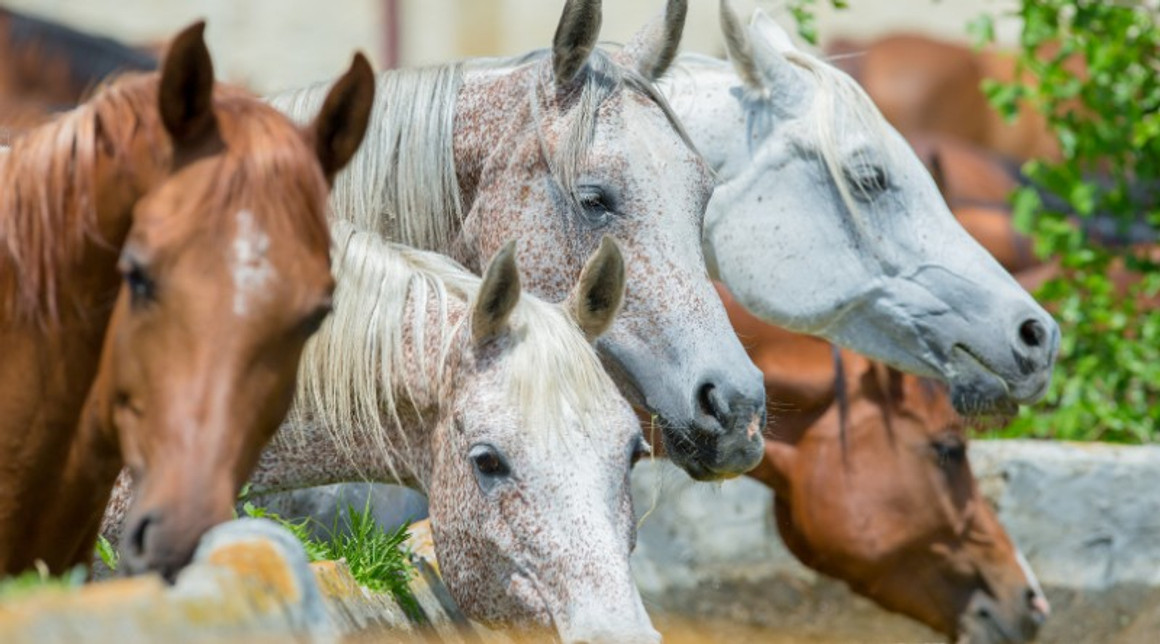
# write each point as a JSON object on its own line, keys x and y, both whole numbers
{"x": 491, "y": 468}
{"x": 870, "y": 181}
{"x": 596, "y": 205}
{"x": 640, "y": 449}
{"x": 141, "y": 287}
{"x": 950, "y": 452}
{"x": 312, "y": 322}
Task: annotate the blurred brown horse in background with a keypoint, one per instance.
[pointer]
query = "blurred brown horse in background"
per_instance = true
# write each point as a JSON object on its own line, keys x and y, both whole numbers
{"x": 873, "y": 487}
{"x": 46, "y": 68}
{"x": 926, "y": 85}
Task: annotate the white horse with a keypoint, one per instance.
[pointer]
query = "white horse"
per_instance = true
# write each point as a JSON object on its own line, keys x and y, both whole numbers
{"x": 556, "y": 149}
{"x": 493, "y": 403}
{"x": 825, "y": 222}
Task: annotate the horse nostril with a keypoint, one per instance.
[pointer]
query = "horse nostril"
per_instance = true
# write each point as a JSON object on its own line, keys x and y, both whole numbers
{"x": 1032, "y": 333}
{"x": 137, "y": 537}
{"x": 711, "y": 402}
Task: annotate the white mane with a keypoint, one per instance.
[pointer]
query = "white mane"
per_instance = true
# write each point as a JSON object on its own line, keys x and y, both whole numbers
{"x": 350, "y": 377}
{"x": 402, "y": 182}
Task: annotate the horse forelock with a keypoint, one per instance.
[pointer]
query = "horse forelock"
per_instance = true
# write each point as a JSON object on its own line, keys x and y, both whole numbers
{"x": 400, "y": 312}
{"x": 48, "y": 208}
{"x": 841, "y": 106}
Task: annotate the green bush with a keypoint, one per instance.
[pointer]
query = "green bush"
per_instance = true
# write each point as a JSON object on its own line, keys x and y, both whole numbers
{"x": 1107, "y": 383}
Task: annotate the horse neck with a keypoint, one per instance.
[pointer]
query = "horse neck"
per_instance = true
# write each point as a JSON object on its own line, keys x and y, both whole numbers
{"x": 702, "y": 93}
{"x": 305, "y": 453}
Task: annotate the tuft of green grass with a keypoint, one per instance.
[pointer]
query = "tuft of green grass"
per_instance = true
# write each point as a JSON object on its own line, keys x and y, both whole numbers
{"x": 378, "y": 559}
{"x": 31, "y": 581}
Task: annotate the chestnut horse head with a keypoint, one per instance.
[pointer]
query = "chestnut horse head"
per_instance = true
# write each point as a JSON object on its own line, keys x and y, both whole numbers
{"x": 873, "y": 487}
{"x": 226, "y": 274}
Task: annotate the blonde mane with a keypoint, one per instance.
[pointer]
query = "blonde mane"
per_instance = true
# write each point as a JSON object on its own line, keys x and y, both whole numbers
{"x": 351, "y": 377}
{"x": 403, "y": 182}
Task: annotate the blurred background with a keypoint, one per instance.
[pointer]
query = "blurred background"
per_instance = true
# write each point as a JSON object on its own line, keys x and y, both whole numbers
{"x": 271, "y": 45}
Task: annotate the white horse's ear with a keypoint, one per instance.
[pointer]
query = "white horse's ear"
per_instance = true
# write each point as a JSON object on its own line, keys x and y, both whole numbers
{"x": 498, "y": 295}
{"x": 600, "y": 291}
{"x": 652, "y": 50}
{"x": 739, "y": 48}
{"x": 575, "y": 39}
{"x": 766, "y": 29}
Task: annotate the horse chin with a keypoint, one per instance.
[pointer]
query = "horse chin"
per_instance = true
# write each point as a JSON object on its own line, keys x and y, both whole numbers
{"x": 713, "y": 460}
{"x": 976, "y": 390}
{"x": 983, "y": 622}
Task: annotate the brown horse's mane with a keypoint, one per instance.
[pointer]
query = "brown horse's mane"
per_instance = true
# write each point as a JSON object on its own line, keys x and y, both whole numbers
{"x": 48, "y": 205}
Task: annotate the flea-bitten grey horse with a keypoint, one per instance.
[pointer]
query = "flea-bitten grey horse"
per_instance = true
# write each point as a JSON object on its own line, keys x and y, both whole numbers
{"x": 556, "y": 149}
{"x": 825, "y": 222}
{"x": 494, "y": 404}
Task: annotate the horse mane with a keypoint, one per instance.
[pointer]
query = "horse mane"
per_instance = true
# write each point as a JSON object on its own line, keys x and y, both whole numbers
{"x": 48, "y": 208}
{"x": 48, "y": 205}
{"x": 351, "y": 379}
{"x": 403, "y": 183}
{"x": 90, "y": 58}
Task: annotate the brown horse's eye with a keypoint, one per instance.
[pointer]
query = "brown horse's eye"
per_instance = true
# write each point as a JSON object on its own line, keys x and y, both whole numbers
{"x": 141, "y": 287}
{"x": 952, "y": 451}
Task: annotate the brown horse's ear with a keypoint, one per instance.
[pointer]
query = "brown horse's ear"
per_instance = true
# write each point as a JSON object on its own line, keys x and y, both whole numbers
{"x": 934, "y": 163}
{"x": 600, "y": 291}
{"x": 882, "y": 383}
{"x": 342, "y": 122}
{"x": 652, "y": 50}
{"x": 575, "y": 39}
{"x": 498, "y": 295}
{"x": 186, "y": 91}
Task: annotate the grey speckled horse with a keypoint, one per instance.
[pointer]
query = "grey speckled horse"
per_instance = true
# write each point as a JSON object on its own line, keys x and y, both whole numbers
{"x": 556, "y": 149}
{"x": 494, "y": 404}
{"x": 825, "y": 222}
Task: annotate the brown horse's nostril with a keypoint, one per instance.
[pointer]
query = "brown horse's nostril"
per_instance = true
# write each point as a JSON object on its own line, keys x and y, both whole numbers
{"x": 137, "y": 537}
{"x": 1032, "y": 333}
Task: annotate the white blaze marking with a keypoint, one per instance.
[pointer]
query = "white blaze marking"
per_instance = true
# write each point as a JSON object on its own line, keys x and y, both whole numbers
{"x": 250, "y": 268}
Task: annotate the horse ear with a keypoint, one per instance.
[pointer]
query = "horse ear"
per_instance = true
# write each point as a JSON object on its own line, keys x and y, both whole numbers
{"x": 600, "y": 291}
{"x": 739, "y": 48}
{"x": 652, "y": 50}
{"x": 498, "y": 294}
{"x": 185, "y": 94}
{"x": 771, "y": 43}
{"x": 341, "y": 123}
{"x": 575, "y": 39}
{"x": 767, "y": 30}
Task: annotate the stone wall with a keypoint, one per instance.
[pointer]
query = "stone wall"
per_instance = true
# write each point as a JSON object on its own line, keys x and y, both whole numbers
{"x": 1086, "y": 516}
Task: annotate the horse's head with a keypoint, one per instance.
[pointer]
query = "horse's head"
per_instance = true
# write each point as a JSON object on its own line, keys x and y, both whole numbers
{"x": 529, "y": 493}
{"x": 889, "y": 505}
{"x": 826, "y": 222}
{"x": 572, "y": 144}
{"x": 226, "y": 274}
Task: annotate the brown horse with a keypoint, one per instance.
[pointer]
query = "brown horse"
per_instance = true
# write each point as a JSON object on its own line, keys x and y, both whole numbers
{"x": 926, "y": 85}
{"x": 873, "y": 487}
{"x": 213, "y": 207}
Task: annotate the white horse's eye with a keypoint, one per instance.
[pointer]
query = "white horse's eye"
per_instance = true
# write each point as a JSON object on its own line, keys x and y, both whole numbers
{"x": 868, "y": 181}
{"x": 595, "y": 204}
